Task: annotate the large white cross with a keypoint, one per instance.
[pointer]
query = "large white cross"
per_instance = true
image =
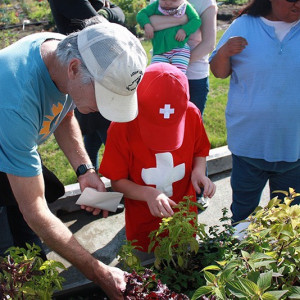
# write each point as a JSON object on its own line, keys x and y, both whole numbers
{"x": 167, "y": 111}
{"x": 164, "y": 174}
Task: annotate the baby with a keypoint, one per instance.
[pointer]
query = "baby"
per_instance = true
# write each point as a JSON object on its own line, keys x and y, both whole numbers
{"x": 170, "y": 44}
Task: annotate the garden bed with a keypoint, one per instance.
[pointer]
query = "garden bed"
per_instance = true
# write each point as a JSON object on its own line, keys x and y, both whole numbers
{"x": 87, "y": 291}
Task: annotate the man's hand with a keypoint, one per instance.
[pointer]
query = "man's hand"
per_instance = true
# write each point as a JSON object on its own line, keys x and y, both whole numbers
{"x": 91, "y": 179}
{"x": 111, "y": 280}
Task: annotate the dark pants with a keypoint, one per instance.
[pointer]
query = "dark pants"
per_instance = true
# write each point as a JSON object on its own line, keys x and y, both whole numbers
{"x": 70, "y": 14}
{"x": 93, "y": 142}
{"x": 249, "y": 177}
{"x": 199, "y": 89}
{"x": 94, "y": 130}
{"x": 14, "y": 231}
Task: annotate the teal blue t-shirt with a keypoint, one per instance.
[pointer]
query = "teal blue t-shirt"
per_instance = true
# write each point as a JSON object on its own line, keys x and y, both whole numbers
{"x": 31, "y": 106}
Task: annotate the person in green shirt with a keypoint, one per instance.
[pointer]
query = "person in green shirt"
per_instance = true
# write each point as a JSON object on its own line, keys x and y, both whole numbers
{"x": 170, "y": 44}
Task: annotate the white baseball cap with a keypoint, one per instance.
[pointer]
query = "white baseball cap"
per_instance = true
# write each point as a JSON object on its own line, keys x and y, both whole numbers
{"x": 117, "y": 61}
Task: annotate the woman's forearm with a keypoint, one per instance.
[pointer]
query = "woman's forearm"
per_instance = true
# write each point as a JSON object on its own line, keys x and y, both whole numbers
{"x": 220, "y": 65}
{"x": 163, "y": 22}
{"x": 208, "y": 33}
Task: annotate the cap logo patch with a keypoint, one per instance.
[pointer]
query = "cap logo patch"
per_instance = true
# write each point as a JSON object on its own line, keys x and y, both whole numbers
{"x": 167, "y": 111}
{"x": 133, "y": 85}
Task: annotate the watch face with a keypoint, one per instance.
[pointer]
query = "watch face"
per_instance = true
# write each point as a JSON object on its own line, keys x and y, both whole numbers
{"x": 82, "y": 169}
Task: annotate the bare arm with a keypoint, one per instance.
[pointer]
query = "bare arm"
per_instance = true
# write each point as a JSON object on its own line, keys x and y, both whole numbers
{"x": 29, "y": 193}
{"x": 208, "y": 32}
{"x": 69, "y": 138}
{"x": 163, "y": 22}
{"x": 159, "y": 204}
{"x": 220, "y": 64}
{"x": 199, "y": 179}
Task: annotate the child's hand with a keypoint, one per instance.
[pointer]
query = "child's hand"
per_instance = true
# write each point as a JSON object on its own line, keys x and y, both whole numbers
{"x": 180, "y": 35}
{"x": 199, "y": 181}
{"x": 149, "y": 31}
{"x": 160, "y": 205}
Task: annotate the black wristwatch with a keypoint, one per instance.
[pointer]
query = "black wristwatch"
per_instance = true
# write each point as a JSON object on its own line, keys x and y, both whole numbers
{"x": 82, "y": 169}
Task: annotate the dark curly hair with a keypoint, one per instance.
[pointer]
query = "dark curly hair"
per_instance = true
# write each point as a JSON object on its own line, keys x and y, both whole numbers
{"x": 257, "y": 8}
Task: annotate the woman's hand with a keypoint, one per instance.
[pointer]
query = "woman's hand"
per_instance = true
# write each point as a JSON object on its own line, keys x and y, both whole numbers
{"x": 149, "y": 31}
{"x": 220, "y": 65}
{"x": 233, "y": 46}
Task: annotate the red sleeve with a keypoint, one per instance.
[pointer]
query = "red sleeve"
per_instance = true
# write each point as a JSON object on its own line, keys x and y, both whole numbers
{"x": 202, "y": 144}
{"x": 114, "y": 164}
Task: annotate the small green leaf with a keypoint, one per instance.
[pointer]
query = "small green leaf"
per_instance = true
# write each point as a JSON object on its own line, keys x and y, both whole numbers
{"x": 268, "y": 296}
{"x": 259, "y": 264}
{"x": 245, "y": 255}
{"x": 265, "y": 280}
{"x": 212, "y": 267}
{"x": 295, "y": 292}
{"x": 243, "y": 286}
{"x": 273, "y": 295}
{"x": 180, "y": 261}
{"x": 280, "y": 192}
{"x": 203, "y": 290}
{"x": 220, "y": 293}
{"x": 209, "y": 277}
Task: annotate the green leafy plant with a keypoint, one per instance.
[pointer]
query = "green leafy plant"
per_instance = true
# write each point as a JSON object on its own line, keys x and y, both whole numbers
{"x": 130, "y": 9}
{"x": 128, "y": 259}
{"x": 38, "y": 10}
{"x": 266, "y": 264}
{"x": 182, "y": 247}
{"x": 24, "y": 275}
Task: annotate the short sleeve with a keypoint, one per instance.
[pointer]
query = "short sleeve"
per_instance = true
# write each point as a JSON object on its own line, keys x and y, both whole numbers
{"x": 202, "y": 144}
{"x": 235, "y": 29}
{"x": 18, "y": 148}
{"x": 116, "y": 157}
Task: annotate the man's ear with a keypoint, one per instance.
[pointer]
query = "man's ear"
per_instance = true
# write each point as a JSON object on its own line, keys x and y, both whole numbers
{"x": 73, "y": 68}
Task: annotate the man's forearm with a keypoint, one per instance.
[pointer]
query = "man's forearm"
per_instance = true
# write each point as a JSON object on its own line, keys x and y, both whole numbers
{"x": 69, "y": 138}
{"x": 29, "y": 193}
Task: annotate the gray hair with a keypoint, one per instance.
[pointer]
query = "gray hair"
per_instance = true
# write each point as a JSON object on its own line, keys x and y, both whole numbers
{"x": 67, "y": 49}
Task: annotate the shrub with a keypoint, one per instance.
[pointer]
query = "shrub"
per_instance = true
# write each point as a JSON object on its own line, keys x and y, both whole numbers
{"x": 266, "y": 264}
{"x": 130, "y": 9}
{"x": 214, "y": 264}
{"x": 24, "y": 275}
